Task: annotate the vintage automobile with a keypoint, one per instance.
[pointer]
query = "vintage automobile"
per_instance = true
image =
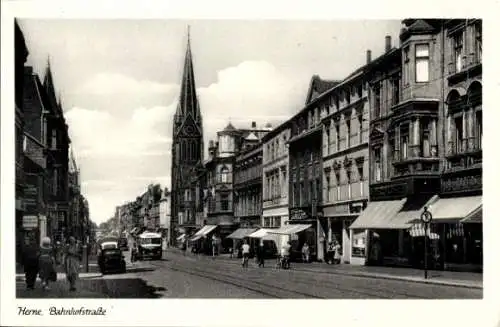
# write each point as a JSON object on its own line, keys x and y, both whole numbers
{"x": 110, "y": 258}
{"x": 149, "y": 245}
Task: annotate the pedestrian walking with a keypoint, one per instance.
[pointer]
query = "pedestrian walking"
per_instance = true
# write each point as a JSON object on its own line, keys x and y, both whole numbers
{"x": 245, "y": 250}
{"x": 184, "y": 246}
{"x": 29, "y": 261}
{"x": 336, "y": 252}
{"x": 214, "y": 245}
{"x": 46, "y": 262}
{"x": 305, "y": 252}
{"x": 133, "y": 253}
{"x": 260, "y": 254}
{"x": 330, "y": 253}
{"x": 72, "y": 263}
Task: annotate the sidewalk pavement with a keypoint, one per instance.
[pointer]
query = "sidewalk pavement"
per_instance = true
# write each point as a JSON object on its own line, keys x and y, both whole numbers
{"x": 446, "y": 278}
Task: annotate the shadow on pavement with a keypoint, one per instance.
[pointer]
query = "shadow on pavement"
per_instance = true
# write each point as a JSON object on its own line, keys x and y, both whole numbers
{"x": 123, "y": 288}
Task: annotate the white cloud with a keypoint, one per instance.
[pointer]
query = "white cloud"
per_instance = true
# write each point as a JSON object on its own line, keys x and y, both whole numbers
{"x": 111, "y": 83}
{"x": 251, "y": 91}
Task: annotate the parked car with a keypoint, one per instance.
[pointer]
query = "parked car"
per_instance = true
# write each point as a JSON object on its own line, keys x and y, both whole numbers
{"x": 110, "y": 258}
{"x": 123, "y": 244}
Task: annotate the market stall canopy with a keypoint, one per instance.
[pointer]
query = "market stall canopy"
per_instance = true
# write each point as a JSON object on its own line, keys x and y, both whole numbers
{"x": 241, "y": 233}
{"x": 290, "y": 229}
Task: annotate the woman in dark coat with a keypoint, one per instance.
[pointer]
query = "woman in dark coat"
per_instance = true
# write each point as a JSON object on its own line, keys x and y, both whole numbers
{"x": 30, "y": 262}
{"x": 46, "y": 262}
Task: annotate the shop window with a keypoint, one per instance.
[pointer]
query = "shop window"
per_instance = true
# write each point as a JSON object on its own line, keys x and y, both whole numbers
{"x": 406, "y": 65}
{"x": 377, "y": 100}
{"x": 479, "y": 128}
{"x": 377, "y": 164}
{"x": 421, "y": 63}
{"x": 458, "y": 45}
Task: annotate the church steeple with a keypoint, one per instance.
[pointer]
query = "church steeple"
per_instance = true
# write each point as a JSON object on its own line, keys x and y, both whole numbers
{"x": 188, "y": 101}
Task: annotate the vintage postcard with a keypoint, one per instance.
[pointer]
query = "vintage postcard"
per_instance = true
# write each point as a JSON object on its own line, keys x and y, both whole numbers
{"x": 244, "y": 160}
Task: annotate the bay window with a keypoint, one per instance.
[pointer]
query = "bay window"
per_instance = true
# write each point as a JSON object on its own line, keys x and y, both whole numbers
{"x": 425, "y": 145}
{"x": 421, "y": 63}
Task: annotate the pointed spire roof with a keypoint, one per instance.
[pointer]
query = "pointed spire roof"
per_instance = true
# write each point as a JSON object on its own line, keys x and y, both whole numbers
{"x": 188, "y": 101}
{"x": 229, "y": 127}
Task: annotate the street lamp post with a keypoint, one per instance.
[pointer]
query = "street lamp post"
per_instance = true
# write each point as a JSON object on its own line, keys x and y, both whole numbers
{"x": 426, "y": 218}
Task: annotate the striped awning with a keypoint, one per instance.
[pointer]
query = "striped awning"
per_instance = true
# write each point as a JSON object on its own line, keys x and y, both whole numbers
{"x": 290, "y": 229}
{"x": 241, "y": 233}
{"x": 418, "y": 230}
{"x": 381, "y": 215}
{"x": 450, "y": 210}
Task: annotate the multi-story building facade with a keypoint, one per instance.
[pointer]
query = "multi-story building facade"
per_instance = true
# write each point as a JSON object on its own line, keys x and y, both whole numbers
{"x": 187, "y": 143}
{"x": 220, "y": 176}
{"x": 420, "y": 127}
{"x": 164, "y": 212}
{"x": 345, "y": 117}
{"x": 35, "y": 157}
{"x": 21, "y": 54}
{"x": 57, "y": 162}
{"x": 248, "y": 187}
{"x": 460, "y": 195}
{"x": 305, "y": 182}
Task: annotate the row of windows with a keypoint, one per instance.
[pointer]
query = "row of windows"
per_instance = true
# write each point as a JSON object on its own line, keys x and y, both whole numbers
{"x": 349, "y": 191}
{"x": 461, "y": 49}
{"x": 333, "y": 135}
{"x": 248, "y": 173}
{"x": 466, "y": 126}
{"x": 276, "y": 147}
{"x": 272, "y": 222}
{"x": 248, "y": 205}
{"x": 275, "y": 184}
{"x": 306, "y": 193}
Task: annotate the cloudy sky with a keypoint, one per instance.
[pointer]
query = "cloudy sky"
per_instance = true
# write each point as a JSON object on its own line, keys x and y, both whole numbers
{"x": 119, "y": 83}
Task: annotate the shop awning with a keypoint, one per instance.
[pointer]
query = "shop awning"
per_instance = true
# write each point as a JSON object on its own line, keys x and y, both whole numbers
{"x": 259, "y": 233}
{"x": 203, "y": 231}
{"x": 381, "y": 215}
{"x": 241, "y": 233}
{"x": 290, "y": 229}
{"x": 459, "y": 209}
{"x": 474, "y": 218}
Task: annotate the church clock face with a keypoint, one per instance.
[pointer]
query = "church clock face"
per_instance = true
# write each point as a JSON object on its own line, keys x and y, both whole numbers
{"x": 189, "y": 129}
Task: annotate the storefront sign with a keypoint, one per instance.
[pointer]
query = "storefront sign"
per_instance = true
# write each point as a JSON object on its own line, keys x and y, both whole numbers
{"x": 390, "y": 190}
{"x": 298, "y": 214}
{"x": 30, "y": 222}
{"x": 466, "y": 183}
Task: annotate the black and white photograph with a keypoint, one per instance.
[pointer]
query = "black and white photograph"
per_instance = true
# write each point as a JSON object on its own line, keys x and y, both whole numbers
{"x": 244, "y": 159}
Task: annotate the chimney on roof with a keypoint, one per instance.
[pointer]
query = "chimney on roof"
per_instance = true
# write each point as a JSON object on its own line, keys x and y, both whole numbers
{"x": 368, "y": 56}
{"x": 388, "y": 45}
{"x": 254, "y": 125}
